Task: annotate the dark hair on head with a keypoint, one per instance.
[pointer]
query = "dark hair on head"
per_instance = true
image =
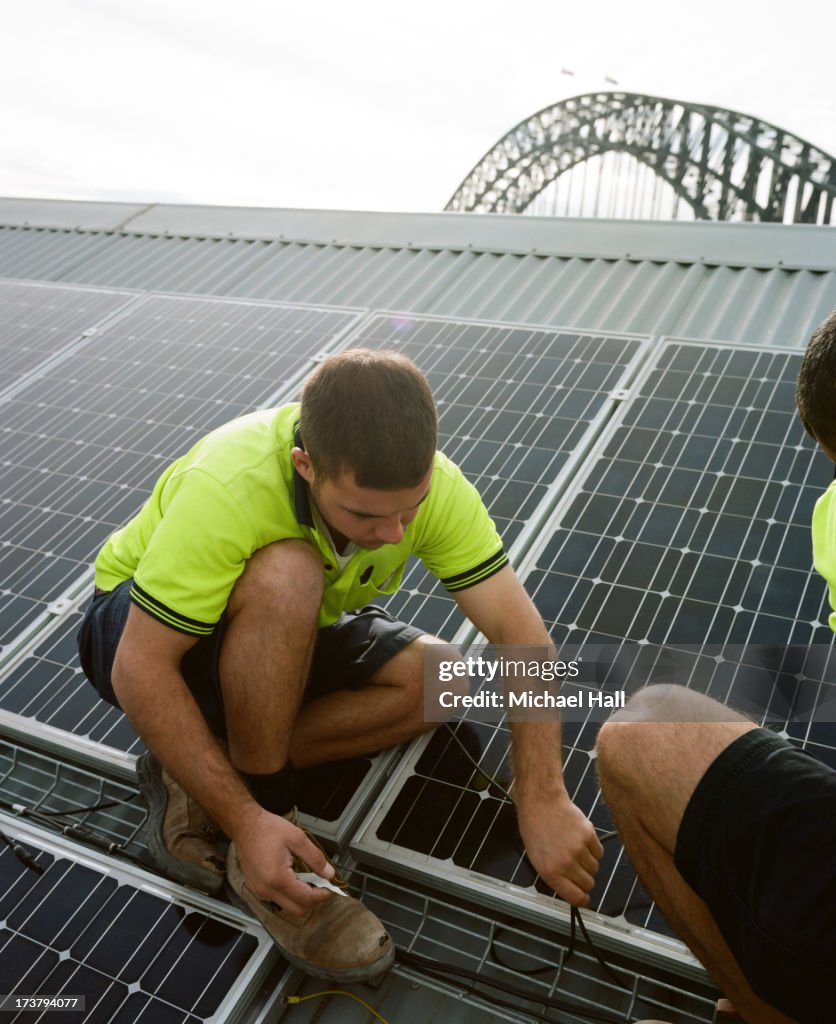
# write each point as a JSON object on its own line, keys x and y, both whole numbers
{"x": 815, "y": 393}
{"x": 370, "y": 413}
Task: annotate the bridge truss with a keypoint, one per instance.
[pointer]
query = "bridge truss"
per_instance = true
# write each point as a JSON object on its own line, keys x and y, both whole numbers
{"x": 624, "y": 154}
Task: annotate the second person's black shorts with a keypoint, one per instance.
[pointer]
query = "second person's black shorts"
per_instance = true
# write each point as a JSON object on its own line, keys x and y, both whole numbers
{"x": 757, "y": 843}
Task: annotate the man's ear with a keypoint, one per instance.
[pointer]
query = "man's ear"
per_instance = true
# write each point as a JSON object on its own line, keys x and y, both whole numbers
{"x": 303, "y": 465}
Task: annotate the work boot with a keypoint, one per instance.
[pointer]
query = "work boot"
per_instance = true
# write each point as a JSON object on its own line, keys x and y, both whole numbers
{"x": 182, "y": 838}
{"x": 337, "y": 939}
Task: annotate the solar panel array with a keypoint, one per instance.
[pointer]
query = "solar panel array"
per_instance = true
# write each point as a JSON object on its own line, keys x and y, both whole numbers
{"x": 513, "y": 404}
{"x": 687, "y": 533}
{"x": 38, "y": 321}
{"x": 82, "y": 444}
{"x": 687, "y": 525}
{"x": 135, "y": 955}
{"x": 694, "y": 525}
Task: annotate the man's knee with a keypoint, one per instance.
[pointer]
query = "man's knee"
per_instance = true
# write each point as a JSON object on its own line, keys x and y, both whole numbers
{"x": 665, "y": 732}
{"x": 667, "y": 702}
{"x": 612, "y": 747}
{"x": 622, "y": 740}
{"x": 286, "y": 575}
{"x": 417, "y": 670}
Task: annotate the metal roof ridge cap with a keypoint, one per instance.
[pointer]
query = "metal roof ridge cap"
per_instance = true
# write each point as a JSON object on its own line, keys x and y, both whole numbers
{"x": 766, "y": 246}
{"x": 66, "y": 214}
{"x": 585, "y": 238}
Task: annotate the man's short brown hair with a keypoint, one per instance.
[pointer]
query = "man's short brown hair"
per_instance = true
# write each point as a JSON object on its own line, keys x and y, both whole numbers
{"x": 815, "y": 393}
{"x": 370, "y": 413}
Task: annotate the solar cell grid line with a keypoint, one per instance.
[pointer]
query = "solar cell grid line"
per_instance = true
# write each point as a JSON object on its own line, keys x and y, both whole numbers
{"x": 513, "y": 403}
{"x": 135, "y": 948}
{"x": 38, "y": 321}
{"x": 696, "y": 502}
{"x": 81, "y": 446}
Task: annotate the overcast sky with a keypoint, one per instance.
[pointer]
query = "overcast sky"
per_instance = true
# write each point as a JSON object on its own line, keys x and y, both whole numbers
{"x": 365, "y": 105}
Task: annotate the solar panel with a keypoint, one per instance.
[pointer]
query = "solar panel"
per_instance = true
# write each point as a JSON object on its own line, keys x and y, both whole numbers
{"x": 686, "y": 533}
{"x": 38, "y": 321}
{"x": 82, "y": 444}
{"x": 136, "y": 955}
{"x": 693, "y": 525}
{"x": 513, "y": 403}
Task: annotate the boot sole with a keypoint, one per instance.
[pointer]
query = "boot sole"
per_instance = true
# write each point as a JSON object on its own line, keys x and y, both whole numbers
{"x": 155, "y": 796}
{"x": 346, "y": 975}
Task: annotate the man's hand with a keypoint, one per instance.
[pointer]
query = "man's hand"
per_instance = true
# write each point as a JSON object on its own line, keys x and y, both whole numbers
{"x": 562, "y": 847}
{"x": 266, "y": 847}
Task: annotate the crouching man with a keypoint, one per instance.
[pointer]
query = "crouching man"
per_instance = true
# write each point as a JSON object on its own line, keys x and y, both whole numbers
{"x": 233, "y": 623}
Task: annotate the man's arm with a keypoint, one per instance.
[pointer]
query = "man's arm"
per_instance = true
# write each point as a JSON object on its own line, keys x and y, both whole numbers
{"x": 560, "y": 841}
{"x": 153, "y": 694}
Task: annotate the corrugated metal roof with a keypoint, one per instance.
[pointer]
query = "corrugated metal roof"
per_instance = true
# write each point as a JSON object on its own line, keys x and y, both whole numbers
{"x": 767, "y": 284}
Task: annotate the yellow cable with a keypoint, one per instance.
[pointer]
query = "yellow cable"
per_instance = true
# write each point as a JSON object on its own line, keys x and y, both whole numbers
{"x": 337, "y": 992}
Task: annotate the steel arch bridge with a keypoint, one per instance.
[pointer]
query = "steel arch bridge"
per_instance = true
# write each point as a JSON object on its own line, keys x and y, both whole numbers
{"x": 721, "y": 164}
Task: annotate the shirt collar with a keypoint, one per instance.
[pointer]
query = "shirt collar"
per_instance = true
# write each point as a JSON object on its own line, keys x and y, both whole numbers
{"x": 301, "y": 496}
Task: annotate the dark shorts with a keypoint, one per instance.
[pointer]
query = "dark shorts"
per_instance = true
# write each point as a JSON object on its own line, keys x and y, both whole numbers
{"x": 346, "y": 654}
{"x": 757, "y": 843}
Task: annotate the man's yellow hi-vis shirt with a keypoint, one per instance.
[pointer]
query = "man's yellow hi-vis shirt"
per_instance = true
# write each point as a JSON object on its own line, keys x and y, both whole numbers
{"x": 237, "y": 491}
{"x": 824, "y": 544}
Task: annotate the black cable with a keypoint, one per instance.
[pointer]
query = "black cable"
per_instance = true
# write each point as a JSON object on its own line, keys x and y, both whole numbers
{"x": 22, "y": 854}
{"x": 78, "y": 832}
{"x": 608, "y": 970}
{"x": 103, "y": 806}
{"x": 439, "y": 970}
{"x": 575, "y": 915}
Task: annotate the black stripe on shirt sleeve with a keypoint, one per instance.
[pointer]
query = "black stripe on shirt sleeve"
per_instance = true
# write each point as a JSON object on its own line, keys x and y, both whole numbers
{"x": 483, "y": 571}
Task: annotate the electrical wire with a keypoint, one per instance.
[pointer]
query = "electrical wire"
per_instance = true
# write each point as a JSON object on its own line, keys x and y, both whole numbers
{"x": 76, "y": 831}
{"x": 439, "y": 970}
{"x": 336, "y": 992}
{"x": 576, "y": 921}
{"x": 444, "y": 972}
{"x": 22, "y": 854}
{"x": 102, "y": 806}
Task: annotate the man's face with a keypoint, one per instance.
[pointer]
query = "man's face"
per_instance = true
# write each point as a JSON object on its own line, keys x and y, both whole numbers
{"x": 369, "y": 517}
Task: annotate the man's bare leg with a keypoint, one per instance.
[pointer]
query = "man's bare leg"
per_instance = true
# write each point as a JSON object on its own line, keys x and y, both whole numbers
{"x": 272, "y": 621}
{"x": 347, "y": 723}
{"x": 271, "y": 629}
{"x": 650, "y": 758}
